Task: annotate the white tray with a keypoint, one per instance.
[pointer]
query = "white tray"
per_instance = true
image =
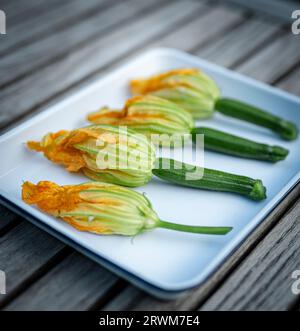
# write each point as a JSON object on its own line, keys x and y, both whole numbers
{"x": 161, "y": 262}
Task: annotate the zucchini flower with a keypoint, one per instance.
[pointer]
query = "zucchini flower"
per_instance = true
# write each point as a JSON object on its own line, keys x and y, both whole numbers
{"x": 114, "y": 155}
{"x": 103, "y": 208}
{"x": 198, "y": 93}
{"x": 190, "y": 89}
{"x": 147, "y": 115}
{"x": 101, "y": 152}
{"x": 166, "y": 123}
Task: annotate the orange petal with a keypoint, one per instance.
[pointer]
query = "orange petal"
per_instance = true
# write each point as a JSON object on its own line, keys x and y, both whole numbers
{"x": 51, "y": 197}
{"x": 144, "y": 86}
{"x": 61, "y": 151}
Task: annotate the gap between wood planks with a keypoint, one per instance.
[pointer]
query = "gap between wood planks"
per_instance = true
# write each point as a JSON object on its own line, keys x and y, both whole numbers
{"x": 279, "y": 9}
{"x": 7, "y": 217}
{"x": 50, "y": 21}
{"x": 39, "y": 55}
{"x": 60, "y": 256}
{"x": 63, "y": 277}
{"x": 17, "y": 11}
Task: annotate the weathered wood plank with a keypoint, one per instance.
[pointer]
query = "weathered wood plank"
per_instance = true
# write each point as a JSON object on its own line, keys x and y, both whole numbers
{"x": 138, "y": 300}
{"x": 47, "y": 22}
{"x": 16, "y": 8}
{"x": 278, "y": 9}
{"x": 6, "y": 217}
{"x": 85, "y": 61}
{"x": 74, "y": 284}
{"x": 263, "y": 280}
{"x": 36, "y": 55}
{"x": 126, "y": 300}
{"x": 269, "y": 64}
{"x": 17, "y": 11}
{"x": 251, "y": 35}
{"x": 291, "y": 83}
{"x": 24, "y": 252}
{"x": 195, "y": 33}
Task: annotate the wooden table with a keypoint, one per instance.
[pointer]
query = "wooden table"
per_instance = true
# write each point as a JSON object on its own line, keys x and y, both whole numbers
{"x": 51, "y": 49}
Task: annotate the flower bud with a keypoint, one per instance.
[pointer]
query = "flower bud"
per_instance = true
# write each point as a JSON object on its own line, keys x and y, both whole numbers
{"x": 102, "y": 152}
{"x": 96, "y": 207}
{"x": 147, "y": 115}
{"x": 190, "y": 89}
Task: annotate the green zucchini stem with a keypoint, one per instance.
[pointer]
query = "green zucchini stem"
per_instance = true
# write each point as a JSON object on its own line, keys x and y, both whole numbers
{"x": 194, "y": 229}
{"x": 226, "y": 143}
{"x": 182, "y": 174}
{"x": 237, "y": 109}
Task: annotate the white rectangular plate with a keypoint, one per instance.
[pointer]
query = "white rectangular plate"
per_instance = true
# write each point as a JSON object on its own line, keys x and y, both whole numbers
{"x": 161, "y": 262}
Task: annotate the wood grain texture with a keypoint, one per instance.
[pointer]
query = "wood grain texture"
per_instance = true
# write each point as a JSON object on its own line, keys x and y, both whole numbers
{"x": 22, "y": 11}
{"x": 24, "y": 252}
{"x": 85, "y": 61}
{"x": 194, "y": 34}
{"x": 273, "y": 61}
{"x": 6, "y": 218}
{"x": 47, "y": 22}
{"x": 35, "y": 55}
{"x": 278, "y": 9}
{"x": 291, "y": 82}
{"x": 127, "y": 300}
{"x": 239, "y": 43}
{"x": 263, "y": 280}
{"x": 76, "y": 283}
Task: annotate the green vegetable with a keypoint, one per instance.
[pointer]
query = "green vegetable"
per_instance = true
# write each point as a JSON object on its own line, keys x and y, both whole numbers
{"x": 233, "y": 108}
{"x": 212, "y": 179}
{"x": 197, "y": 93}
{"x": 151, "y": 115}
{"x": 223, "y": 142}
